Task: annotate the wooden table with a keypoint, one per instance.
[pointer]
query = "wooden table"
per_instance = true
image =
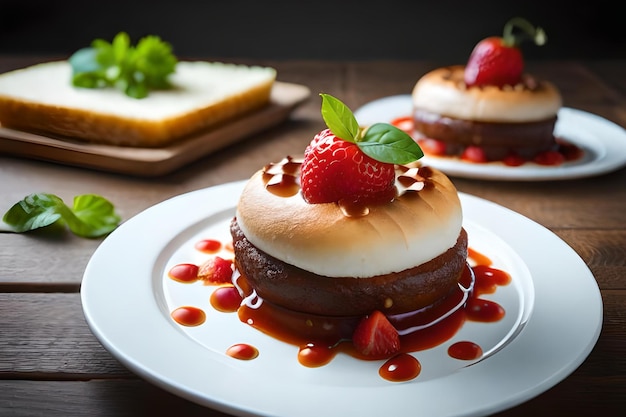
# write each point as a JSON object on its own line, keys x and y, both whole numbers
{"x": 52, "y": 365}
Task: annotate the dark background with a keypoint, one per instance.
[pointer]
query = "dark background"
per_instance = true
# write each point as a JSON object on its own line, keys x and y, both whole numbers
{"x": 352, "y": 30}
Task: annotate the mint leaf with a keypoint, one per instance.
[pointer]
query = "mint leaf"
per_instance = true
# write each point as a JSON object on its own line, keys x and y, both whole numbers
{"x": 155, "y": 61}
{"x": 381, "y": 141}
{"x": 133, "y": 70}
{"x": 387, "y": 143}
{"x": 33, "y": 212}
{"x": 339, "y": 119}
{"x": 92, "y": 216}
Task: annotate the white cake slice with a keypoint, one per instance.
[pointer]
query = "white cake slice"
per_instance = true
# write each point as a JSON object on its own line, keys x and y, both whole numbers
{"x": 41, "y": 98}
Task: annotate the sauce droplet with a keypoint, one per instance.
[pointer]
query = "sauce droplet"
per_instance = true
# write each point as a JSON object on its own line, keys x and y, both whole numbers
{"x": 465, "y": 350}
{"x": 226, "y": 299}
{"x": 242, "y": 351}
{"x": 488, "y": 279}
{"x": 185, "y": 273}
{"x": 314, "y": 355}
{"x": 402, "y": 367}
{"x": 189, "y": 316}
{"x": 208, "y": 245}
{"x": 484, "y": 310}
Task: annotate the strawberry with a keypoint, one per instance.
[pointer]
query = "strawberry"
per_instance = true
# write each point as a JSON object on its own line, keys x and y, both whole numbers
{"x": 375, "y": 337}
{"x": 216, "y": 270}
{"x": 498, "y": 61}
{"x": 346, "y": 162}
{"x": 433, "y": 146}
{"x": 513, "y": 160}
{"x": 334, "y": 169}
{"x": 474, "y": 154}
{"x": 552, "y": 158}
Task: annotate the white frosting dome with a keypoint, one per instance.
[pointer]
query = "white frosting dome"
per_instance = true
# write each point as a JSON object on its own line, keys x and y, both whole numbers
{"x": 443, "y": 92}
{"x": 319, "y": 238}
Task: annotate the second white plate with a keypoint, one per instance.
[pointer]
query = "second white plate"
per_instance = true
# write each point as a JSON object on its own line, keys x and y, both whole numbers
{"x": 603, "y": 142}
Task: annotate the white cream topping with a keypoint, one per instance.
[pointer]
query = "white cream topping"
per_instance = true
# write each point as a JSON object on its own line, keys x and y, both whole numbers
{"x": 195, "y": 84}
{"x": 319, "y": 238}
{"x": 443, "y": 92}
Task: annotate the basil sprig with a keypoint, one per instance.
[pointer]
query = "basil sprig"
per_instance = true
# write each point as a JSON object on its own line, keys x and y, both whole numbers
{"x": 91, "y": 215}
{"x": 135, "y": 70}
{"x": 381, "y": 141}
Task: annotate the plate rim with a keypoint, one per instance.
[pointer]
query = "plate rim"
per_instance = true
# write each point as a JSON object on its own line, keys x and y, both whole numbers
{"x": 613, "y": 151}
{"x": 112, "y": 337}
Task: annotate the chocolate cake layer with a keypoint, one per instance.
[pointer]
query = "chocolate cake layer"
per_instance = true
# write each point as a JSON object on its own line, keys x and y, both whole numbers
{"x": 296, "y": 289}
{"x": 497, "y": 139}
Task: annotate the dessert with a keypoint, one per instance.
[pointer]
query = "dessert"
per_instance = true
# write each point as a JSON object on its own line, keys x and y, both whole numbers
{"x": 193, "y": 97}
{"x": 356, "y": 248}
{"x": 489, "y": 109}
{"x": 312, "y": 258}
{"x": 345, "y": 233}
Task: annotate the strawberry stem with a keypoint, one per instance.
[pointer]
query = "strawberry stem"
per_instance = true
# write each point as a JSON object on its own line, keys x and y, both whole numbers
{"x": 528, "y": 31}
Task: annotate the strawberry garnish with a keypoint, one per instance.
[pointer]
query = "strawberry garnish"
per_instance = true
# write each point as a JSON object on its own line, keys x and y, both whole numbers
{"x": 345, "y": 162}
{"x": 375, "y": 337}
{"x": 216, "y": 270}
{"x": 334, "y": 169}
{"x": 499, "y": 61}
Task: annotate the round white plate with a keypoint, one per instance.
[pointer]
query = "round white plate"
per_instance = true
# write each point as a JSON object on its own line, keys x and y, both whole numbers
{"x": 603, "y": 141}
{"x": 553, "y": 319}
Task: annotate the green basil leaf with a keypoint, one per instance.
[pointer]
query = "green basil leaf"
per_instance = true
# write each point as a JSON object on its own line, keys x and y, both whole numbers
{"x": 133, "y": 70}
{"x": 87, "y": 80}
{"x": 33, "y": 212}
{"x": 154, "y": 61}
{"x": 104, "y": 53}
{"x": 387, "y": 143}
{"x": 339, "y": 119}
{"x": 121, "y": 47}
{"x": 136, "y": 90}
{"x": 92, "y": 215}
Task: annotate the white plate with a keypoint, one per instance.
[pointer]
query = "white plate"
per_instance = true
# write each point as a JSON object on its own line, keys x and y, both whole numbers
{"x": 553, "y": 320}
{"x": 604, "y": 143}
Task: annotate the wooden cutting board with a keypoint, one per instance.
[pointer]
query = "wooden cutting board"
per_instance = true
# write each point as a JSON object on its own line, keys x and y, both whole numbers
{"x": 148, "y": 162}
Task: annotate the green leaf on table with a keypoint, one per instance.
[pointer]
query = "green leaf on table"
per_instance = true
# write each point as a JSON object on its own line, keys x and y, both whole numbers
{"x": 91, "y": 216}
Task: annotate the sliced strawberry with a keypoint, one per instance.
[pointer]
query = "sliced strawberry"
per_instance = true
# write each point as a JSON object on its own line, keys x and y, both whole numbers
{"x": 334, "y": 169}
{"x": 551, "y": 158}
{"x": 216, "y": 270}
{"x": 405, "y": 123}
{"x": 498, "y": 61}
{"x": 375, "y": 337}
{"x": 474, "y": 154}
{"x": 513, "y": 160}
{"x": 433, "y": 146}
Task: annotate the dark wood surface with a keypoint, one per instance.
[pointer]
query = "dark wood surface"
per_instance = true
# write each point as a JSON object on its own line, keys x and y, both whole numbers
{"x": 52, "y": 365}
